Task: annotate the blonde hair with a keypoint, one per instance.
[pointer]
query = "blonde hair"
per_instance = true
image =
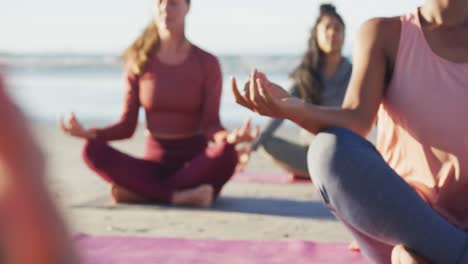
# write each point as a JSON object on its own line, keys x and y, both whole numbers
{"x": 142, "y": 48}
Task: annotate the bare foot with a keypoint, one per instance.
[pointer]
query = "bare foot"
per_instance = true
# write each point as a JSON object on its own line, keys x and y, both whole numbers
{"x": 201, "y": 196}
{"x": 401, "y": 255}
{"x": 122, "y": 195}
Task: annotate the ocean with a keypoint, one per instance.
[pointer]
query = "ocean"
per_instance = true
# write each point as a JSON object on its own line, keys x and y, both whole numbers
{"x": 47, "y": 85}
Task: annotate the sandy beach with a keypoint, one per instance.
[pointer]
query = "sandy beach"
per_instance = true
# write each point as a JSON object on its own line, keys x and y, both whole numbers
{"x": 246, "y": 211}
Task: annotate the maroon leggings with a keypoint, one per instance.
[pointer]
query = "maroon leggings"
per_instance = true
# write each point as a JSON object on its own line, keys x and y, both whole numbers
{"x": 168, "y": 166}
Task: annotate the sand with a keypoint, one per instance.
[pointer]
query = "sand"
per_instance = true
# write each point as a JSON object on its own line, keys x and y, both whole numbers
{"x": 249, "y": 211}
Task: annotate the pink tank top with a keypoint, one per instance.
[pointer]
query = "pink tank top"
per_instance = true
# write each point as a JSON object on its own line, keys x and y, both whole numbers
{"x": 423, "y": 123}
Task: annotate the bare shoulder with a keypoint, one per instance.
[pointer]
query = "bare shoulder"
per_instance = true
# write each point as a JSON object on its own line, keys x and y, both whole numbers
{"x": 381, "y": 33}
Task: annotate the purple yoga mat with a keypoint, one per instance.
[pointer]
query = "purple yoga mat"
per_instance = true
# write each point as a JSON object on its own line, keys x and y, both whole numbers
{"x": 138, "y": 250}
{"x": 267, "y": 177}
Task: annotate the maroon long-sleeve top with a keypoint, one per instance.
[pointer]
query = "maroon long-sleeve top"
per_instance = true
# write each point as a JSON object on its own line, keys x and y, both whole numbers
{"x": 178, "y": 99}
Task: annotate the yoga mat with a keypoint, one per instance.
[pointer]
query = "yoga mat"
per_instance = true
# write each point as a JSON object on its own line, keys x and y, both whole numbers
{"x": 139, "y": 250}
{"x": 267, "y": 177}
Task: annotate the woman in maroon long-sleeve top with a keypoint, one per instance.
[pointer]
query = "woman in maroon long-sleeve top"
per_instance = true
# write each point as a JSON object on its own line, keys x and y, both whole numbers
{"x": 179, "y": 86}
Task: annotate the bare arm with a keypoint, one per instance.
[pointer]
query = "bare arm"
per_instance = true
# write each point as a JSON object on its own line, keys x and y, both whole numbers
{"x": 362, "y": 99}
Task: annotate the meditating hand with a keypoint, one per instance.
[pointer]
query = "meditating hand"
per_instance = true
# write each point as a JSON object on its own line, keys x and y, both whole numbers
{"x": 264, "y": 97}
{"x": 73, "y": 127}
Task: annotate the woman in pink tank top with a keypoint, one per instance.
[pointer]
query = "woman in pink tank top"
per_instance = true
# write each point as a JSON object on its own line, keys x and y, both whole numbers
{"x": 179, "y": 86}
{"x": 410, "y": 195}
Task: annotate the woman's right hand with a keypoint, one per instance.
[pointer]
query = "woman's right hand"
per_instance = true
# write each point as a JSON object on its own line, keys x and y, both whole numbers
{"x": 264, "y": 97}
{"x": 73, "y": 127}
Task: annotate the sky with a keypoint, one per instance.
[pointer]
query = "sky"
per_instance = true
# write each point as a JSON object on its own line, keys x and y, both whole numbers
{"x": 220, "y": 26}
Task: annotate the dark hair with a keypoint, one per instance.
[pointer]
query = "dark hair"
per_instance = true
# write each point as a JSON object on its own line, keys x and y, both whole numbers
{"x": 143, "y": 47}
{"x": 308, "y": 74}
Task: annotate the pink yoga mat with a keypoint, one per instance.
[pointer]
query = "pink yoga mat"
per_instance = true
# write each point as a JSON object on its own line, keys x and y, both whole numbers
{"x": 267, "y": 177}
{"x": 137, "y": 250}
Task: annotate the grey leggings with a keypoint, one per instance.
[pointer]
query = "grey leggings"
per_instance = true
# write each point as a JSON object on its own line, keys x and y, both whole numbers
{"x": 378, "y": 207}
{"x": 291, "y": 154}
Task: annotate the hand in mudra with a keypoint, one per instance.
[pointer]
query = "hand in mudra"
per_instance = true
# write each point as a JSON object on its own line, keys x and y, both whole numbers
{"x": 73, "y": 127}
{"x": 264, "y": 97}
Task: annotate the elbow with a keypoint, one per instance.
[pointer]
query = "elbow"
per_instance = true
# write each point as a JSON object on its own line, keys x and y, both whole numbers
{"x": 361, "y": 123}
{"x": 363, "y": 129}
{"x": 128, "y": 127}
{"x": 128, "y": 133}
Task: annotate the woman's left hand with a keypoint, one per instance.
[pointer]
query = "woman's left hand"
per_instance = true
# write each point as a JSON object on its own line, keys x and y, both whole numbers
{"x": 264, "y": 97}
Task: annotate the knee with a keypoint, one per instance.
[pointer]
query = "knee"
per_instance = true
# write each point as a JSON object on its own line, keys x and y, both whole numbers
{"x": 92, "y": 150}
{"x": 329, "y": 153}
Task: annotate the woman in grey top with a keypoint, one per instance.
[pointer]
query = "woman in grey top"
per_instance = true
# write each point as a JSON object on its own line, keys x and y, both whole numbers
{"x": 321, "y": 78}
